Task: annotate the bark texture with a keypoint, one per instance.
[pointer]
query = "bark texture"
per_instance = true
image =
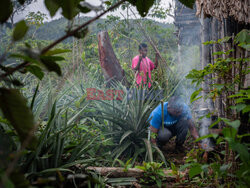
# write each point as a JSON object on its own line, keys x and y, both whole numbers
{"x": 110, "y": 65}
{"x": 238, "y": 9}
{"x": 132, "y": 172}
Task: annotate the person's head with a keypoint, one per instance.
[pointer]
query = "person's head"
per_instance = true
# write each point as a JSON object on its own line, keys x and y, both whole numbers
{"x": 143, "y": 49}
{"x": 175, "y": 106}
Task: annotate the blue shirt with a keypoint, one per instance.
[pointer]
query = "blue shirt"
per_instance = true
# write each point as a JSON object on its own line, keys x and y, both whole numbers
{"x": 169, "y": 120}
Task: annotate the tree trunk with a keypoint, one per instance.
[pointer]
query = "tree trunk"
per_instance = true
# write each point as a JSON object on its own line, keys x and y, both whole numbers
{"x": 131, "y": 172}
{"x": 207, "y": 105}
{"x": 215, "y": 34}
{"x": 110, "y": 65}
{"x": 206, "y": 59}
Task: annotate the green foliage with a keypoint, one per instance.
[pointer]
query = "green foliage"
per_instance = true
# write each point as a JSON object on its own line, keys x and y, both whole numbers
{"x": 21, "y": 1}
{"x": 6, "y": 10}
{"x": 71, "y": 134}
{"x": 16, "y": 179}
{"x": 84, "y": 9}
{"x": 35, "y": 70}
{"x": 52, "y": 6}
{"x": 220, "y": 69}
{"x": 153, "y": 135}
{"x": 206, "y": 136}
{"x": 237, "y": 104}
{"x": 219, "y": 41}
{"x": 50, "y": 63}
{"x": 242, "y": 101}
{"x": 69, "y": 8}
{"x": 197, "y": 76}
{"x": 159, "y": 11}
{"x": 56, "y": 148}
{"x": 6, "y": 147}
{"x": 82, "y": 33}
{"x": 126, "y": 165}
{"x": 243, "y": 39}
{"x": 220, "y": 169}
{"x": 121, "y": 181}
{"x": 142, "y": 6}
{"x": 194, "y": 170}
{"x": 153, "y": 173}
{"x": 53, "y": 144}
{"x": 62, "y": 142}
{"x": 56, "y": 51}
{"x": 188, "y": 3}
{"x": 194, "y": 95}
{"x": 128, "y": 123}
{"x": 20, "y": 30}
{"x": 15, "y": 110}
{"x": 36, "y": 19}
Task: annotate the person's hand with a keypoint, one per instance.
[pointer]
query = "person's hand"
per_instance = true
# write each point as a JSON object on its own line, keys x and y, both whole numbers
{"x": 205, "y": 157}
{"x": 140, "y": 57}
{"x": 142, "y": 74}
{"x": 157, "y": 54}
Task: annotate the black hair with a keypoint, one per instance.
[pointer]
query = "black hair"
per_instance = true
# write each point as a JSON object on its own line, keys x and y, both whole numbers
{"x": 176, "y": 102}
{"x": 142, "y": 45}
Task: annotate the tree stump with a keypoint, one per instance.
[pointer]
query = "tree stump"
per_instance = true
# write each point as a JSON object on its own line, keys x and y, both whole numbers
{"x": 110, "y": 65}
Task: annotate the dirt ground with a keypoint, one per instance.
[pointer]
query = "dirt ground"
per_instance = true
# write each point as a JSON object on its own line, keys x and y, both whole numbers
{"x": 177, "y": 158}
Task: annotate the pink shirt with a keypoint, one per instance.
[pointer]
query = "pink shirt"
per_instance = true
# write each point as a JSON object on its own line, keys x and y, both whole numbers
{"x": 145, "y": 69}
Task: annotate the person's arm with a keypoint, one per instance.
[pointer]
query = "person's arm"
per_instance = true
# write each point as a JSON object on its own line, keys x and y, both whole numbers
{"x": 193, "y": 131}
{"x": 155, "y": 123}
{"x": 137, "y": 68}
{"x": 156, "y": 59}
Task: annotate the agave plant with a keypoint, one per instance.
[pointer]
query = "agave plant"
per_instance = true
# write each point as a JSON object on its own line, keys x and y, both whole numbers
{"x": 64, "y": 140}
{"x": 127, "y": 122}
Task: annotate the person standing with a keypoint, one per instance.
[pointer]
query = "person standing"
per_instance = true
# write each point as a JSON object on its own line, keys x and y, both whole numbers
{"x": 143, "y": 66}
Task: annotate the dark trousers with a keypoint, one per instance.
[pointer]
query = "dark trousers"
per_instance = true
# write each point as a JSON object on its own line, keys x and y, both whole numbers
{"x": 179, "y": 130}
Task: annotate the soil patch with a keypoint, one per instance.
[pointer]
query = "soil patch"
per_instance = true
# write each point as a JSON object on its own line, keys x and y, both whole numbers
{"x": 178, "y": 158}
